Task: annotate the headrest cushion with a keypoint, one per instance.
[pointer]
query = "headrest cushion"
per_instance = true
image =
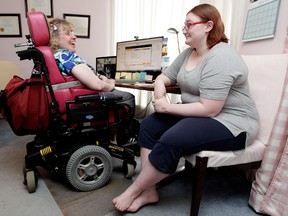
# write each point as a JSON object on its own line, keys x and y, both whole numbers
{"x": 38, "y": 27}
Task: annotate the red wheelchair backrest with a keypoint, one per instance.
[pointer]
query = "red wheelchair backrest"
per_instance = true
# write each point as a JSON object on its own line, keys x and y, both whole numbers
{"x": 40, "y": 36}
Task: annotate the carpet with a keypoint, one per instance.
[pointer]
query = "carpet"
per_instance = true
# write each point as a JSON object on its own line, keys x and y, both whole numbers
{"x": 14, "y": 197}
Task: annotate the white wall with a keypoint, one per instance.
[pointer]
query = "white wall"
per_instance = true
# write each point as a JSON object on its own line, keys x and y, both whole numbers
{"x": 97, "y": 45}
{"x": 268, "y": 46}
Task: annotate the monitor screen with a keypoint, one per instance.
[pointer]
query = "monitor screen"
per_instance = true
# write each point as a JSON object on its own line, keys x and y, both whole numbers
{"x": 139, "y": 55}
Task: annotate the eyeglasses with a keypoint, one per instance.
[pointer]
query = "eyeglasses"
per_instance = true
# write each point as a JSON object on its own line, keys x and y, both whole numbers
{"x": 69, "y": 33}
{"x": 189, "y": 25}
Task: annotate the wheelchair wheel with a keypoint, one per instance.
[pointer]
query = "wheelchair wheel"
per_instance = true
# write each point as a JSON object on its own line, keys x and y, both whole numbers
{"x": 89, "y": 168}
{"x": 31, "y": 181}
{"x": 128, "y": 169}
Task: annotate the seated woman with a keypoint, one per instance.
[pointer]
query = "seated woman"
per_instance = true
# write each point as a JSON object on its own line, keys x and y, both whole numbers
{"x": 63, "y": 45}
{"x": 217, "y": 112}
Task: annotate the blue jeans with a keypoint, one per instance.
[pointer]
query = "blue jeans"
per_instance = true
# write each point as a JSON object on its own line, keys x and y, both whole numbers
{"x": 171, "y": 137}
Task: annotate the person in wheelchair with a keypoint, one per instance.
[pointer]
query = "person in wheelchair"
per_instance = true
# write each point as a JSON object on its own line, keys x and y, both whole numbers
{"x": 63, "y": 45}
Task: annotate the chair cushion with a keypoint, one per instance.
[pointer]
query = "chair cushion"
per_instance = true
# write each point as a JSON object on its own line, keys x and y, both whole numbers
{"x": 253, "y": 152}
{"x": 267, "y": 75}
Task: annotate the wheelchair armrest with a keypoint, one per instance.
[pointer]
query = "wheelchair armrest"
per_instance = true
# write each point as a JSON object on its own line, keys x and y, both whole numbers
{"x": 102, "y": 96}
{"x": 30, "y": 53}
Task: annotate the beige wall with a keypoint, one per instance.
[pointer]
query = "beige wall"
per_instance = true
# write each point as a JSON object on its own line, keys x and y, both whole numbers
{"x": 7, "y": 70}
{"x": 97, "y": 45}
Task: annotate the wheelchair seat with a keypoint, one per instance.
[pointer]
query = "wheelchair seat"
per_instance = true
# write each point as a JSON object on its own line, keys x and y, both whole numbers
{"x": 85, "y": 128}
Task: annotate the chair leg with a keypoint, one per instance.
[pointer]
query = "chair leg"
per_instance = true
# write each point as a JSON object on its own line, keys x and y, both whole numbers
{"x": 198, "y": 184}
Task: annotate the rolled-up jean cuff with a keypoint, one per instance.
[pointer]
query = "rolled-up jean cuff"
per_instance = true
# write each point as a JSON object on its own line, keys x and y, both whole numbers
{"x": 167, "y": 164}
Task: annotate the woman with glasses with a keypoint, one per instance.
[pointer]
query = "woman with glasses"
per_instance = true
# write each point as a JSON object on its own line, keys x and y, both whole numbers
{"x": 63, "y": 45}
{"x": 216, "y": 113}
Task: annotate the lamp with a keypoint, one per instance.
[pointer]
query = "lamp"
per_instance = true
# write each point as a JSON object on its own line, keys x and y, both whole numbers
{"x": 174, "y": 31}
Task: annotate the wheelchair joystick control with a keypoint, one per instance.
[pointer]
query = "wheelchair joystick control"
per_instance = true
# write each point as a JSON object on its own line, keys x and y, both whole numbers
{"x": 102, "y": 96}
{"x": 109, "y": 96}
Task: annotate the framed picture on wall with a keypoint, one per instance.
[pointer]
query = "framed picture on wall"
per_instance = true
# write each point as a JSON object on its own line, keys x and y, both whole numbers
{"x": 10, "y": 25}
{"x": 81, "y": 24}
{"x": 45, "y": 6}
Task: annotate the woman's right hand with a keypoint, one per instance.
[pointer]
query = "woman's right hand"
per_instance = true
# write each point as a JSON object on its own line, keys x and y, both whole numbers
{"x": 160, "y": 105}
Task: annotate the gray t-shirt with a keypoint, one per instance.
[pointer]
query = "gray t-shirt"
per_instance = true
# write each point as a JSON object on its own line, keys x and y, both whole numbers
{"x": 221, "y": 75}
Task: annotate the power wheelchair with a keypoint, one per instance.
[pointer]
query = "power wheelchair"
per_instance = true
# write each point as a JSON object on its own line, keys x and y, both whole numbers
{"x": 86, "y": 128}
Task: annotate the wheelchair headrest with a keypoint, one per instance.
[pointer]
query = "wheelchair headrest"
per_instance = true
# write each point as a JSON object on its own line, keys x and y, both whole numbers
{"x": 39, "y": 29}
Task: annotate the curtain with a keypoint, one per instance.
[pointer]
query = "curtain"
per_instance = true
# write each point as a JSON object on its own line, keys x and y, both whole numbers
{"x": 149, "y": 18}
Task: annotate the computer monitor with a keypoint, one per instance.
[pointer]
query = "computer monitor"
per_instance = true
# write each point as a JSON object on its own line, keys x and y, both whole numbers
{"x": 106, "y": 65}
{"x": 141, "y": 55}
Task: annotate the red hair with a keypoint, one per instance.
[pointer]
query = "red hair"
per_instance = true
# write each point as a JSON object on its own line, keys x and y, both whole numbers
{"x": 207, "y": 12}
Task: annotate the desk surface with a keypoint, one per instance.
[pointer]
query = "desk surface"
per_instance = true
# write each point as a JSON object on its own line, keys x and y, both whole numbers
{"x": 148, "y": 87}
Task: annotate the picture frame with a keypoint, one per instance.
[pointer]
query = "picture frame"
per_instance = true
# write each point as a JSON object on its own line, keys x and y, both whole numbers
{"x": 10, "y": 25}
{"x": 45, "y": 6}
{"x": 81, "y": 24}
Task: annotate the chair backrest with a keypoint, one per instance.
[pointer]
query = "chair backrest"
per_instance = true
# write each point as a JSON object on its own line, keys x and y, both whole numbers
{"x": 40, "y": 36}
{"x": 38, "y": 28}
{"x": 267, "y": 74}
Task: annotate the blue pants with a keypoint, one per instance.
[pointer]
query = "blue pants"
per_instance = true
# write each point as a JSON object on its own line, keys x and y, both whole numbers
{"x": 171, "y": 137}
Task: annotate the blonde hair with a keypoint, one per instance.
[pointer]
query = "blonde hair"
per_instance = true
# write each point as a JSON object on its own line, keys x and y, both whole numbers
{"x": 55, "y": 26}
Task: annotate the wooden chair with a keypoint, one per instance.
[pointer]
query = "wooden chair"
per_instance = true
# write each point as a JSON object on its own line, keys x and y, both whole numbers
{"x": 267, "y": 80}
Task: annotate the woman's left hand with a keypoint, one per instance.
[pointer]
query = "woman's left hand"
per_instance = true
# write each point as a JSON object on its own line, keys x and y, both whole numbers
{"x": 102, "y": 77}
{"x": 160, "y": 105}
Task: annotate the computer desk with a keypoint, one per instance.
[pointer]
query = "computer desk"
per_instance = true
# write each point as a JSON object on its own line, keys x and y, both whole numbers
{"x": 148, "y": 87}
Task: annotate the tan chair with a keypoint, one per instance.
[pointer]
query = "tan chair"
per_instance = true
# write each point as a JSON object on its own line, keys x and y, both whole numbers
{"x": 267, "y": 80}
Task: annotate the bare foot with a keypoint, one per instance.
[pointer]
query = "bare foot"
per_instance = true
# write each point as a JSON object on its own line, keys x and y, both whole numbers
{"x": 123, "y": 202}
{"x": 148, "y": 196}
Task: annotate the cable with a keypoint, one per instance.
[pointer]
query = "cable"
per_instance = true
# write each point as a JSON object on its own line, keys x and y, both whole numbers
{"x": 143, "y": 112}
